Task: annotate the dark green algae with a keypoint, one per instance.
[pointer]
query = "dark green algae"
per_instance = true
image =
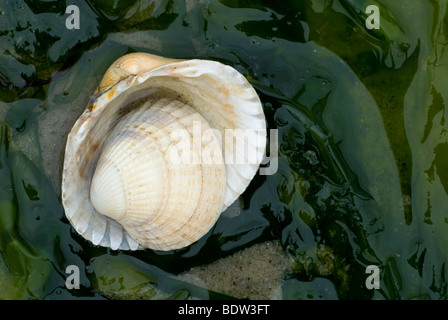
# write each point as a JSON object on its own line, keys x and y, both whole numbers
{"x": 361, "y": 176}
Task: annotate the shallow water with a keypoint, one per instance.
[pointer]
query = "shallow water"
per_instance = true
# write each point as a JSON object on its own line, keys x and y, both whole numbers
{"x": 360, "y": 114}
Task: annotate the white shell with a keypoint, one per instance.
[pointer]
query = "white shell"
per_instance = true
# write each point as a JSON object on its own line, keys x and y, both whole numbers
{"x": 121, "y": 189}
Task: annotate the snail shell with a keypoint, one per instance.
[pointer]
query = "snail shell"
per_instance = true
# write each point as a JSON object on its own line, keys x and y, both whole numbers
{"x": 123, "y": 183}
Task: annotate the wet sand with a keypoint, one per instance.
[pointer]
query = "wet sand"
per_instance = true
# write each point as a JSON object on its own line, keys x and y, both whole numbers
{"x": 255, "y": 273}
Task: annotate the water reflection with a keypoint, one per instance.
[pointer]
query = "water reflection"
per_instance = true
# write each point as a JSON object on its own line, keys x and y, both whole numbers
{"x": 362, "y": 131}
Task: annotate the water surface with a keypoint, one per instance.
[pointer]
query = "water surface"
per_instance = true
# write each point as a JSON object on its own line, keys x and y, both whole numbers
{"x": 362, "y": 141}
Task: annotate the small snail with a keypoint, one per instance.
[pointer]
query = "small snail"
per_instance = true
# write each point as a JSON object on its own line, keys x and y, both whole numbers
{"x": 126, "y": 184}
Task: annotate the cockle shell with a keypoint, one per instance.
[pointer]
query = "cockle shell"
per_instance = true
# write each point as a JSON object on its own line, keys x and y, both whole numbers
{"x": 120, "y": 185}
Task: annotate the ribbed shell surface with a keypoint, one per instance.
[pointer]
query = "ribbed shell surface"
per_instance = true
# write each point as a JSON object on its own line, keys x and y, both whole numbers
{"x": 121, "y": 185}
{"x": 162, "y": 200}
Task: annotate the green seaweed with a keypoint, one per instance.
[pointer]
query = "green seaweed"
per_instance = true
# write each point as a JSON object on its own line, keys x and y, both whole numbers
{"x": 33, "y": 238}
{"x": 316, "y": 289}
{"x": 121, "y": 277}
{"x": 387, "y": 81}
{"x": 28, "y": 270}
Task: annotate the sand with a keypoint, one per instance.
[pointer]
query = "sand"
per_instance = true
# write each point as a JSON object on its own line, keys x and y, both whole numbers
{"x": 255, "y": 273}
